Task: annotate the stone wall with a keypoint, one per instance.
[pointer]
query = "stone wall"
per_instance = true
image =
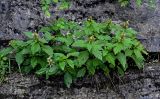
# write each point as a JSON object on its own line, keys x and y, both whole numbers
{"x": 136, "y": 84}
{"x": 18, "y": 16}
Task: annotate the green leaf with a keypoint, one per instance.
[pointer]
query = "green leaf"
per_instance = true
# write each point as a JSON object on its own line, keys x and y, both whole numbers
{"x": 70, "y": 63}
{"x": 96, "y": 51}
{"x": 62, "y": 65}
{"x": 34, "y": 62}
{"x": 43, "y": 40}
{"x": 89, "y": 47}
{"x": 6, "y": 51}
{"x": 139, "y": 62}
{"x": 47, "y": 49}
{"x": 90, "y": 67}
{"x": 41, "y": 71}
{"x": 47, "y": 13}
{"x": 138, "y": 54}
{"x": 45, "y": 30}
{"x": 105, "y": 69}
{"x": 35, "y": 48}
{"x": 75, "y": 54}
{"x": 102, "y": 37}
{"x": 55, "y": 1}
{"x": 79, "y": 43}
{"x": 48, "y": 36}
{"x": 26, "y": 50}
{"x": 110, "y": 58}
{"x": 64, "y": 5}
{"x": 83, "y": 57}
{"x": 51, "y": 71}
{"x": 47, "y": 1}
{"x": 104, "y": 52}
{"x": 67, "y": 40}
{"x": 96, "y": 62}
{"x": 81, "y": 72}
{"x": 29, "y": 34}
{"x": 20, "y": 43}
{"x": 118, "y": 48}
{"x": 67, "y": 79}
{"x": 139, "y": 2}
{"x": 122, "y": 59}
{"x": 128, "y": 52}
{"x": 19, "y": 58}
{"x": 120, "y": 71}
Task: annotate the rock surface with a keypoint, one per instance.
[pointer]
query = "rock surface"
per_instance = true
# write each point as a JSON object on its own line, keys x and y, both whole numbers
{"x": 18, "y": 16}
{"x": 135, "y": 84}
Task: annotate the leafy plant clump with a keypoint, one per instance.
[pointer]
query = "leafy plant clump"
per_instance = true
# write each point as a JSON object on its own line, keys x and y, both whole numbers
{"x": 45, "y": 4}
{"x": 73, "y": 50}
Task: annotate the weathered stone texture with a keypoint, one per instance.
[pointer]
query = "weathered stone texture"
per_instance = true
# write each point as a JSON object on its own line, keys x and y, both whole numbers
{"x": 18, "y": 16}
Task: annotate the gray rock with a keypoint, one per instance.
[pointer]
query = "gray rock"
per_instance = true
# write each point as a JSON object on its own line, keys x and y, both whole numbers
{"x": 134, "y": 85}
{"x": 18, "y": 16}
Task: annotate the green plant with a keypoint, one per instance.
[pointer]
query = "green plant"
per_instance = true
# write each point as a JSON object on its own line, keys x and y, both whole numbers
{"x": 126, "y": 2}
{"x": 46, "y": 5}
{"x": 137, "y": 2}
{"x": 33, "y": 53}
{"x": 73, "y": 50}
{"x": 93, "y": 46}
{"x": 4, "y": 62}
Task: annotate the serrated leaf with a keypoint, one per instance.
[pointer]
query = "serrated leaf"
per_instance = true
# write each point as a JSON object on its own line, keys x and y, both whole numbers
{"x": 83, "y": 57}
{"x": 42, "y": 40}
{"x": 51, "y": 71}
{"x": 68, "y": 41}
{"x": 35, "y": 48}
{"x": 67, "y": 79}
{"x": 34, "y": 62}
{"x": 19, "y": 58}
{"x": 97, "y": 62}
{"x": 90, "y": 67}
{"x": 139, "y": 62}
{"x": 48, "y": 36}
{"x": 138, "y": 54}
{"x": 45, "y": 29}
{"x": 102, "y": 37}
{"x": 29, "y": 34}
{"x": 64, "y": 5}
{"x": 79, "y": 43}
{"x": 20, "y": 43}
{"x": 41, "y": 71}
{"x": 128, "y": 52}
{"x": 105, "y": 70}
{"x": 120, "y": 71}
{"x": 118, "y": 48}
{"x": 96, "y": 51}
{"x": 89, "y": 47}
{"x": 6, "y": 51}
{"x": 122, "y": 59}
{"x": 81, "y": 72}
{"x": 47, "y": 13}
{"x": 75, "y": 54}
{"x": 47, "y": 49}
{"x": 70, "y": 63}
{"x": 110, "y": 58}
{"x": 62, "y": 65}
{"x": 26, "y": 50}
